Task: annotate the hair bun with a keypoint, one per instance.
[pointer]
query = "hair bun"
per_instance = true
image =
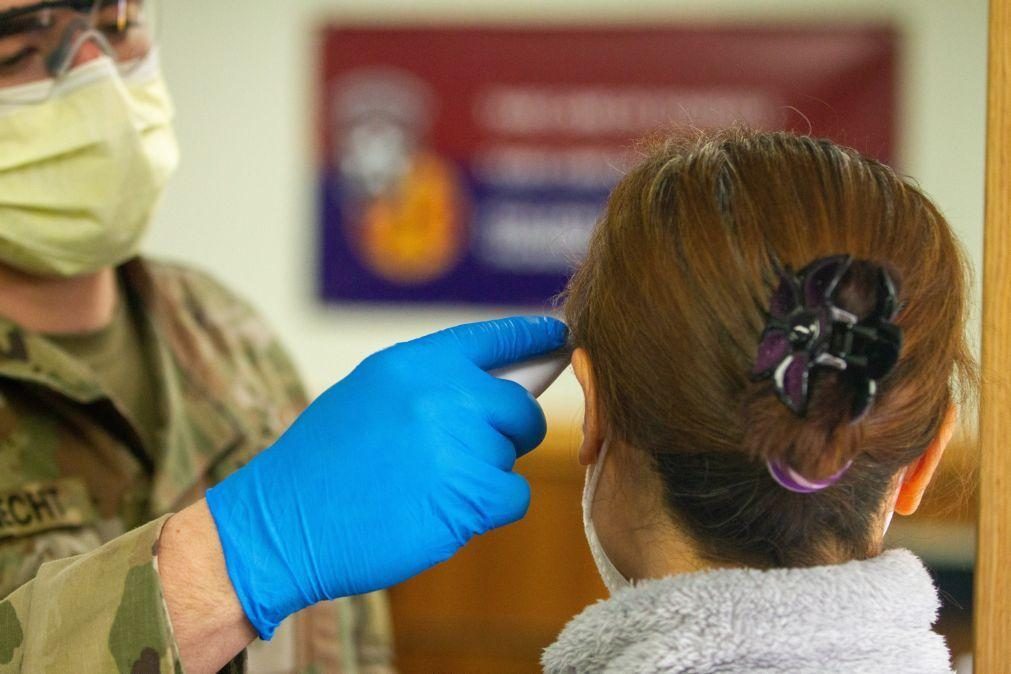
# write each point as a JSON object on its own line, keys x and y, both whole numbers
{"x": 828, "y": 340}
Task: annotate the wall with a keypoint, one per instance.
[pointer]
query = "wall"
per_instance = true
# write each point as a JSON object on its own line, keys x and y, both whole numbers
{"x": 242, "y": 204}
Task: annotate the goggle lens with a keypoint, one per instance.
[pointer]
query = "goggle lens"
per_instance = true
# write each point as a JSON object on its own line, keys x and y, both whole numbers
{"x": 43, "y": 40}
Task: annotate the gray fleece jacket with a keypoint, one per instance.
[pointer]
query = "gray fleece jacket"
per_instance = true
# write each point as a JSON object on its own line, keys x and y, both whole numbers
{"x": 863, "y": 616}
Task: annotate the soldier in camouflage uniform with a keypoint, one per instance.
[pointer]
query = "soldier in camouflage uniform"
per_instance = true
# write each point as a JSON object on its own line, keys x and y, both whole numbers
{"x": 103, "y": 435}
{"x": 75, "y": 473}
{"x": 128, "y": 388}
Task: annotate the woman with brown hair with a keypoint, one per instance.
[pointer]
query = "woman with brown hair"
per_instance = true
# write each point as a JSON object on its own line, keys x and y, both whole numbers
{"x": 769, "y": 333}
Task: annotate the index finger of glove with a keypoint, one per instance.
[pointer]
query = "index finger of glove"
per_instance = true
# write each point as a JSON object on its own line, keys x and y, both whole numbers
{"x": 495, "y": 344}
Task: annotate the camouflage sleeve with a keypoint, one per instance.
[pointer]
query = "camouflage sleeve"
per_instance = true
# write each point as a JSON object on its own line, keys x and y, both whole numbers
{"x": 98, "y": 612}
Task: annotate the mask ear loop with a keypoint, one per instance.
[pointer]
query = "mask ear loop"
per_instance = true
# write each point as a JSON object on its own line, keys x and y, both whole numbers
{"x": 58, "y": 62}
{"x": 609, "y": 573}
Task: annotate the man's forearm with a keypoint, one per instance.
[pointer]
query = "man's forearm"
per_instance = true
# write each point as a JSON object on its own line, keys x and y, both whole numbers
{"x": 208, "y": 622}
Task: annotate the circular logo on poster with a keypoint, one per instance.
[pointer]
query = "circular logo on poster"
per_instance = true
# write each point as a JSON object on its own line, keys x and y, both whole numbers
{"x": 403, "y": 204}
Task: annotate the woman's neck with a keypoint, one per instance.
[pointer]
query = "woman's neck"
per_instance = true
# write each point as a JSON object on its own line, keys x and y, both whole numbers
{"x": 658, "y": 549}
{"x": 668, "y": 553}
{"x": 58, "y": 305}
{"x": 634, "y": 526}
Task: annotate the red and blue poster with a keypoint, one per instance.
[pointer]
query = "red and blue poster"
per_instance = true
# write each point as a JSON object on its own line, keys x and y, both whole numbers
{"x": 468, "y": 165}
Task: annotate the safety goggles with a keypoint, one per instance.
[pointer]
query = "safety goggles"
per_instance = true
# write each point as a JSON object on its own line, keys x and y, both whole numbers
{"x": 41, "y": 41}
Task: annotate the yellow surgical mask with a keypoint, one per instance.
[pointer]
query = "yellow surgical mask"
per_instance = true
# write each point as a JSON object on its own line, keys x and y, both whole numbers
{"x": 82, "y": 172}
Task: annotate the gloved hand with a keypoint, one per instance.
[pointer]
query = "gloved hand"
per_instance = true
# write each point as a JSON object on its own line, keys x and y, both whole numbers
{"x": 387, "y": 473}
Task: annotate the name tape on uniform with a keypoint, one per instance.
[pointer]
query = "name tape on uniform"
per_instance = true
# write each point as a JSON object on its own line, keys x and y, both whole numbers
{"x": 39, "y": 506}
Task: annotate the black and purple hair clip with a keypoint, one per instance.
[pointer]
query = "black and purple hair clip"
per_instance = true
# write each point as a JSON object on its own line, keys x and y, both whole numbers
{"x": 806, "y": 330}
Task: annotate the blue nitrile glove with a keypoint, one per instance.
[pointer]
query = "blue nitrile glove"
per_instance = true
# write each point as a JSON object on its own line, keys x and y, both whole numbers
{"x": 387, "y": 473}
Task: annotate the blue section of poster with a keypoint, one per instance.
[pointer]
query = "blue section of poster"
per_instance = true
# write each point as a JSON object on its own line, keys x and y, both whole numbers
{"x": 512, "y": 245}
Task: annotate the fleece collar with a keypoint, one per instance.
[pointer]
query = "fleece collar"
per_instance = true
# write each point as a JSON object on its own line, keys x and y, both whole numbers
{"x": 873, "y": 615}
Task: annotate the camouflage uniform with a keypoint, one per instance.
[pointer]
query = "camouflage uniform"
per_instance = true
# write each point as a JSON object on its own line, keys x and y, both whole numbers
{"x": 74, "y": 480}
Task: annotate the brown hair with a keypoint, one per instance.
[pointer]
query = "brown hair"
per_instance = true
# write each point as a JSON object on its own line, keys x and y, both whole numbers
{"x": 670, "y": 303}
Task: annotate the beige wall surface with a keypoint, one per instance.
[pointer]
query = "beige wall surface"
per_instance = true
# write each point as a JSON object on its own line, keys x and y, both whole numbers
{"x": 243, "y": 203}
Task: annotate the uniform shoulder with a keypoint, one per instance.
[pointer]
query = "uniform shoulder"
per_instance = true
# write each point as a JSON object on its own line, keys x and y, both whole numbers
{"x": 181, "y": 280}
{"x": 223, "y": 323}
{"x": 212, "y": 312}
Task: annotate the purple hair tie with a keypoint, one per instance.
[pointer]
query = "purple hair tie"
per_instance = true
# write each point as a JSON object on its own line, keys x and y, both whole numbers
{"x": 790, "y": 479}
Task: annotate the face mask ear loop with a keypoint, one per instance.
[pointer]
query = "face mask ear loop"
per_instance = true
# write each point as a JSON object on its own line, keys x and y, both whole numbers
{"x": 613, "y": 579}
{"x": 60, "y": 59}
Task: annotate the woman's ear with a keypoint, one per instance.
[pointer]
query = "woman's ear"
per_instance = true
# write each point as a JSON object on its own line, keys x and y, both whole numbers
{"x": 593, "y": 431}
{"x": 920, "y": 472}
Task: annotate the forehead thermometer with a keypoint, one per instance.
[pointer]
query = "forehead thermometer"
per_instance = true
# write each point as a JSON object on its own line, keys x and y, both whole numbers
{"x": 536, "y": 374}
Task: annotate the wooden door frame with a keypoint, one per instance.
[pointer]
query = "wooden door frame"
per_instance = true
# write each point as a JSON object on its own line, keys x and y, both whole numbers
{"x": 993, "y": 573}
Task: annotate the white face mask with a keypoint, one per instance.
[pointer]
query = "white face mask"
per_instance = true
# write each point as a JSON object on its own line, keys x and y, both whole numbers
{"x": 82, "y": 172}
{"x": 612, "y": 578}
